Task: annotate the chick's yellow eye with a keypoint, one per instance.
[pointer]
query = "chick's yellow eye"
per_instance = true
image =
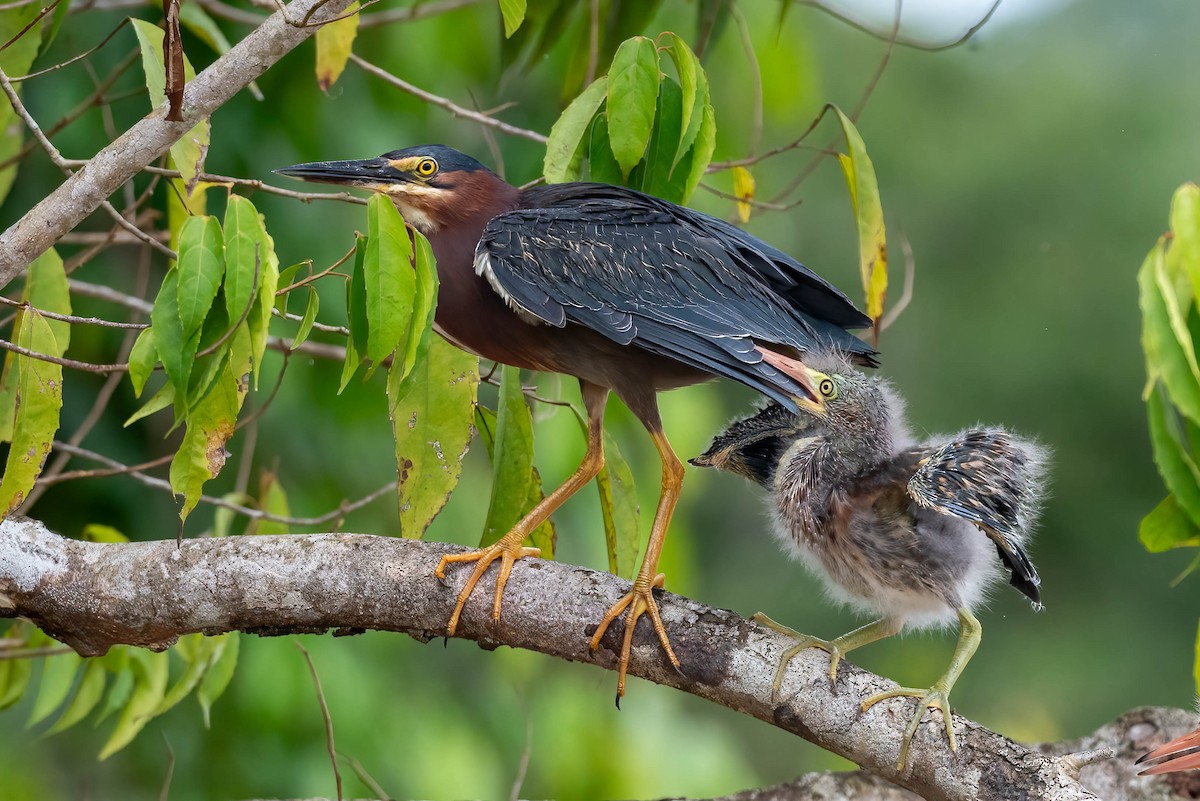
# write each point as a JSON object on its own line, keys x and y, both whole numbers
{"x": 827, "y": 388}
{"x": 426, "y": 167}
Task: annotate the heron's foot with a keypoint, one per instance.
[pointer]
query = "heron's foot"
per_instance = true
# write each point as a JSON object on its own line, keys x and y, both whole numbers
{"x": 507, "y": 549}
{"x": 832, "y": 647}
{"x": 638, "y": 601}
{"x": 936, "y": 697}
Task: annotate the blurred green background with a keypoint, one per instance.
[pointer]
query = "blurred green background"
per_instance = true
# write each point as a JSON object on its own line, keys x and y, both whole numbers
{"x": 1030, "y": 170}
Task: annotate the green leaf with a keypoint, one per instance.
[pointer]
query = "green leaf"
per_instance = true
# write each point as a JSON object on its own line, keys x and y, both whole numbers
{"x": 150, "y": 684}
{"x": 1169, "y": 350}
{"x": 17, "y": 59}
{"x": 38, "y": 401}
{"x": 564, "y": 148}
{"x": 389, "y": 280}
{"x": 220, "y": 672}
{"x": 513, "y": 12}
{"x": 15, "y": 675}
{"x": 1184, "y": 254}
{"x": 619, "y": 508}
{"x": 431, "y": 411}
{"x": 335, "y": 42}
{"x": 189, "y": 151}
{"x": 116, "y": 661}
{"x": 87, "y": 695}
{"x": 693, "y": 84}
{"x": 46, "y": 289}
{"x": 260, "y": 315}
{"x": 287, "y": 277}
{"x": 1173, "y": 453}
{"x": 512, "y": 459}
{"x": 868, "y": 216}
{"x": 142, "y": 360}
{"x": 310, "y": 317}
{"x": 272, "y": 500}
{"x": 176, "y": 352}
{"x": 98, "y": 532}
{"x": 632, "y": 96}
{"x": 197, "y": 652}
{"x": 702, "y": 151}
{"x": 655, "y": 174}
{"x": 424, "y": 305}
{"x": 356, "y": 298}
{"x": 201, "y": 455}
{"x": 243, "y": 254}
{"x": 164, "y": 398}
{"x": 1167, "y": 527}
{"x": 58, "y": 676}
{"x": 201, "y": 267}
{"x": 544, "y": 536}
{"x": 601, "y": 164}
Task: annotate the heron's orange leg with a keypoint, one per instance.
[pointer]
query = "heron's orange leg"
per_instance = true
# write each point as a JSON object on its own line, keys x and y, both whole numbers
{"x": 640, "y": 599}
{"x": 508, "y": 549}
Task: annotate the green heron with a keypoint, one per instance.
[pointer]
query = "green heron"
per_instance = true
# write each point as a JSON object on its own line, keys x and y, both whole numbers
{"x": 1182, "y": 753}
{"x": 889, "y": 524}
{"x": 627, "y": 292}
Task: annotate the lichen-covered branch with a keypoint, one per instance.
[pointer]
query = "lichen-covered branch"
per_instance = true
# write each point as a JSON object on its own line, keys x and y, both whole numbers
{"x": 93, "y": 596}
{"x": 150, "y": 137}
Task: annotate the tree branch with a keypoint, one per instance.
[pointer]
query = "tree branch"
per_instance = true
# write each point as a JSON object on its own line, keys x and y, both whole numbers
{"x": 150, "y": 137}
{"x": 93, "y": 596}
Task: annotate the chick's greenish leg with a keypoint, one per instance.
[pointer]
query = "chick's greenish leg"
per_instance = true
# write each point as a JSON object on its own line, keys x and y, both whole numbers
{"x": 937, "y": 696}
{"x": 837, "y": 648}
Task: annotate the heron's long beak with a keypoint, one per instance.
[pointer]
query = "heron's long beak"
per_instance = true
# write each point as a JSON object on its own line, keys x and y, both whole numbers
{"x": 366, "y": 173}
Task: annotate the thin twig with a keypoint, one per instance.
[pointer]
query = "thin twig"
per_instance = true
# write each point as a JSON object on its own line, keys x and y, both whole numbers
{"x": 69, "y": 318}
{"x": 73, "y": 59}
{"x": 593, "y": 42}
{"x": 74, "y": 364}
{"x": 35, "y": 653}
{"x": 752, "y": 58}
{"x": 165, "y": 792}
{"x": 906, "y": 296}
{"x": 915, "y": 44}
{"x": 58, "y": 160}
{"x": 446, "y": 104}
{"x": 337, "y": 776}
{"x": 254, "y": 514}
{"x": 416, "y": 11}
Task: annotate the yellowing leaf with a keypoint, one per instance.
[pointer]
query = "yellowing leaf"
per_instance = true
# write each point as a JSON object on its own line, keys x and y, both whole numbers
{"x": 189, "y": 151}
{"x": 743, "y": 189}
{"x": 513, "y": 12}
{"x": 210, "y": 424}
{"x": 868, "y": 216}
{"x": 335, "y": 42}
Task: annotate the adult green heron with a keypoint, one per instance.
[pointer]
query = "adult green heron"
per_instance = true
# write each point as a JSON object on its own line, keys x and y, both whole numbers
{"x": 887, "y": 523}
{"x": 629, "y": 293}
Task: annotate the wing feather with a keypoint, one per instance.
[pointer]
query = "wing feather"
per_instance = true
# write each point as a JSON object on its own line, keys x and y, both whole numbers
{"x": 648, "y": 273}
{"x": 994, "y": 480}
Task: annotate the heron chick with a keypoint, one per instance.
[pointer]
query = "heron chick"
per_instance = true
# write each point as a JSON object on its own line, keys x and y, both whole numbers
{"x": 891, "y": 525}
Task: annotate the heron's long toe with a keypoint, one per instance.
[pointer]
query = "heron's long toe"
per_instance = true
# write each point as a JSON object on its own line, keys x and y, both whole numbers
{"x": 832, "y": 647}
{"x": 935, "y": 697}
{"x": 638, "y": 601}
{"x": 507, "y": 549}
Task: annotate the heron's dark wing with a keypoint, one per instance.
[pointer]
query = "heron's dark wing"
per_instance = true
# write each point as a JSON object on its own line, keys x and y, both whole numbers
{"x": 991, "y": 479}
{"x": 648, "y": 273}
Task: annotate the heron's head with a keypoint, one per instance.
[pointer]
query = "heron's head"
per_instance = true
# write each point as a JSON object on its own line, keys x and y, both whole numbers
{"x": 434, "y": 186}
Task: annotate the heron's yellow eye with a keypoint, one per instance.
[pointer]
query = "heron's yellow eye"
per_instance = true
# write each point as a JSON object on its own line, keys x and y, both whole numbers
{"x": 827, "y": 388}
{"x": 426, "y": 167}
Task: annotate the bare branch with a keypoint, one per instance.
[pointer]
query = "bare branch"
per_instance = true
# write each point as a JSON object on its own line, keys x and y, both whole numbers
{"x": 148, "y": 139}
{"x": 93, "y": 596}
{"x": 449, "y": 105}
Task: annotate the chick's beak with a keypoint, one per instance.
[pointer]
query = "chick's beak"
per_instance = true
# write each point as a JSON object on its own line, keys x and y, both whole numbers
{"x": 366, "y": 173}
{"x": 815, "y": 403}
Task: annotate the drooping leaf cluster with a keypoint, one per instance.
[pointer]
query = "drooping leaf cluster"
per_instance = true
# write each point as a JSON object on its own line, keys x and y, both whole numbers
{"x": 1169, "y": 292}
